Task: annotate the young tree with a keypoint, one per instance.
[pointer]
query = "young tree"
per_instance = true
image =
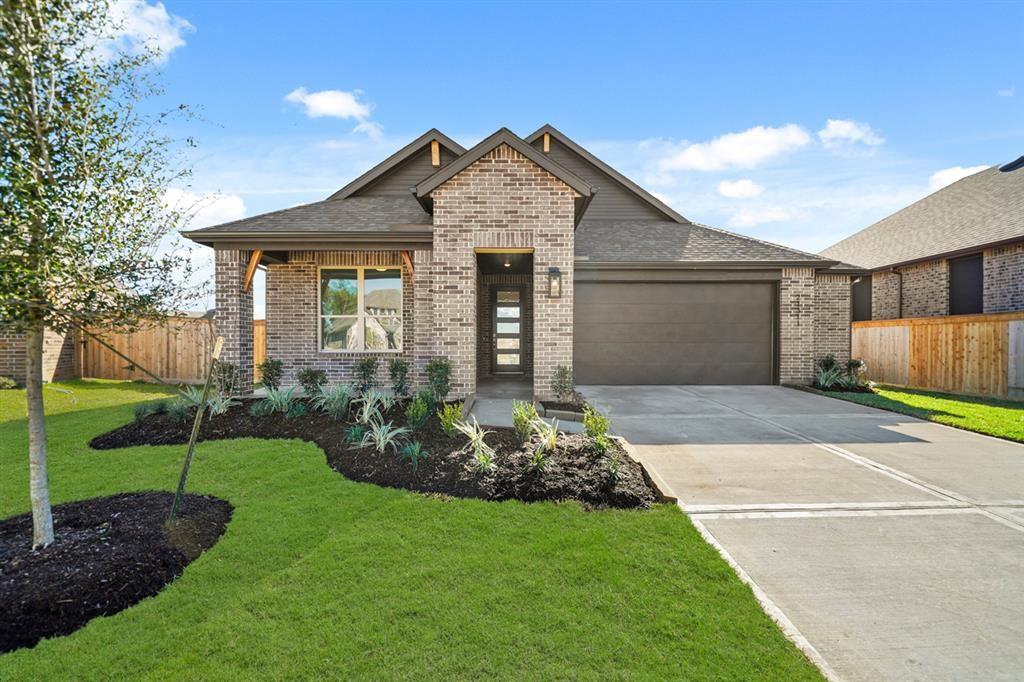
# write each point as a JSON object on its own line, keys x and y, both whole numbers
{"x": 83, "y": 172}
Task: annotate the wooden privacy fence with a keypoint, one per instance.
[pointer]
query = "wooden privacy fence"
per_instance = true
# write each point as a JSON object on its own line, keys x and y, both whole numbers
{"x": 972, "y": 354}
{"x": 177, "y": 350}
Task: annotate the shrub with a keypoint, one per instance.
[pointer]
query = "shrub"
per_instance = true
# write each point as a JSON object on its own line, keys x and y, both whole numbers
{"x": 271, "y": 371}
{"x": 179, "y": 411}
{"x": 418, "y": 410}
{"x": 141, "y": 411}
{"x": 334, "y": 400}
{"x": 611, "y": 466}
{"x": 312, "y": 380}
{"x": 483, "y": 454}
{"x": 7, "y": 382}
{"x": 366, "y": 373}
{"x": 219, "y": 404}
{"x": 354, "y": 433}
{"x": 226, "y": 378}
{"x": 523, "y": 416}
{"x": 159, "y": 407}
{"x": 602, "y": 443}
{"x": 563, "y": 385}
{"x": 398, "y": 370}
{"x": 831, "y": 376}
{"x": 595, "y": 424}
{"x": 277, "y": 400}
{"x": 439, "y": 376}
{"x": 414, "y": 452}
{"x": 449, "y": 414}
{"x": 383, "y": 436}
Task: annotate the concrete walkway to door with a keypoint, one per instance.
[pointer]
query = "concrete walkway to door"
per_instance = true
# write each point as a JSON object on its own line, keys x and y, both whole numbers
{"x": 893, "y": 547}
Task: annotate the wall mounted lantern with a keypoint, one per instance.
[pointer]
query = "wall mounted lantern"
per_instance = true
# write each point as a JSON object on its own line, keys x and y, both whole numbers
{"x": 554, "y": 282}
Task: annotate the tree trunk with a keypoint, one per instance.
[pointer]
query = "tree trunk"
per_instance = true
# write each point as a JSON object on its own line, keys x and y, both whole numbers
{"x": 39, "y": 487}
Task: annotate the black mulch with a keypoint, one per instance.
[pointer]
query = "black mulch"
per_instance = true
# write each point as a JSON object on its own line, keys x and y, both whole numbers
{"x": 576, "y": 471}
{"x": 108, "y": 554}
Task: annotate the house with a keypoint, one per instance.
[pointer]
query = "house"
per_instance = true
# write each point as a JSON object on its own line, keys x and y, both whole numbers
{"x": 516, "y": 257}
{"x": 957, "y": 251}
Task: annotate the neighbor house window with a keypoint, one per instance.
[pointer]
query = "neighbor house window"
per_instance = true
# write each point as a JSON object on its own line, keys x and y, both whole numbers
{"x": 966, "y": 285}
{"x": 360, "y": 309}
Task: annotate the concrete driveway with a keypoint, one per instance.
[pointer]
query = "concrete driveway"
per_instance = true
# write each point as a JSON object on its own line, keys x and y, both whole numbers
{"x": 889, "y": 548}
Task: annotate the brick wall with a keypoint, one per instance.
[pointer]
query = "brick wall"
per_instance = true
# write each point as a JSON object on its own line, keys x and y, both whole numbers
{"x": 234, "y": 313}
{"x": 1004, "y": 279}
{"x": 796, "y": 325}
{"x": 484, "y": 345}
{"x": 885, "y": 295}
{"x": 832, "y": 316}
{"x": 926, "y": 289}
{"x": 293, "y": 318}
{"x": 58, "y": 356}
{"x": 503, "y": 200}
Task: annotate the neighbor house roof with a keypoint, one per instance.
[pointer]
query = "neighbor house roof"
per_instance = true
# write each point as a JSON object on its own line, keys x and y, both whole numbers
{"x": 624, "y": 241}
{"x": 983, "y": 209}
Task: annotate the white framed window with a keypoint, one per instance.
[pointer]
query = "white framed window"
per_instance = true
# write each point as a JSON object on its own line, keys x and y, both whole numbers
{"x": 360, "y": 309}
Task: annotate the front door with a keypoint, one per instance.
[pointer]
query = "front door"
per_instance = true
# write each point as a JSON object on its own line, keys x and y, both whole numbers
{"x": 507, "y": 328}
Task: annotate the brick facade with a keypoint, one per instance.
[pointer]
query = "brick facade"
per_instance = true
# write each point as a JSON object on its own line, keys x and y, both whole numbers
{"x": 484, "y": 344}
{"x": 832, "y": 316}
{"x": 234, "y": 313}
{"x": 925, "y": 286}
{"x": 503, "y": 200}
{"x": 1004, "y": 279}
{"x": 293, "y": 331}
{"x": 58, "y": 356}
{"x": 814, "y": 320}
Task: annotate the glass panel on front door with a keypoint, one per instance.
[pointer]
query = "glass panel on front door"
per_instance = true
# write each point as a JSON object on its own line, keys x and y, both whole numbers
{"x": 506, "y": 323}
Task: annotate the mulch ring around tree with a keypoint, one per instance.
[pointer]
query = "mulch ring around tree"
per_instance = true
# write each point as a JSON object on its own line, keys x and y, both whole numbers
{"x": 108, "y": 554}
{"x": 576, "y": 470}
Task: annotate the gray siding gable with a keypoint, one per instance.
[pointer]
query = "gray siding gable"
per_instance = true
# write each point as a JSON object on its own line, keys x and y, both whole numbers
{"x": 397, "y": 181}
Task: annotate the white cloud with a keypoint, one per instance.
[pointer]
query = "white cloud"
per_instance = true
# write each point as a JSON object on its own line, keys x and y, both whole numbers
{"x": 843, "y": 133}
{"x": 334, "y": 103}
{"x": 139, "y": 25}
{"x": 948, "y": 176}
{"x": 372, "y": 129}
{"x": 749, "y": 217}
{"x": 739, "y": 189}
{"x": 1007, "y": 92}
{"x": 738, "y": 150}
{"x": 206, "y": 209}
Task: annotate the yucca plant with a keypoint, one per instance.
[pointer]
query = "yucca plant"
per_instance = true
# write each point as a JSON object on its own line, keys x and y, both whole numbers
{"x": 523, "y": 416}
{"x": 548, "y": 434}
{"x": 277, "y": 400}
{"x": 220, "y": 404}
{"x": 354, "y": 433}
{"x": 449, "y": 415}
{"x": 179, "y": 411}
{"x": 414, "y": 452}
{"x": 369, "y": 409}
{"x": 383, "y": 436}
{"x": 483, "y": 453}
{"x": 334, "y": 401}
{"x": 192, "y": 395}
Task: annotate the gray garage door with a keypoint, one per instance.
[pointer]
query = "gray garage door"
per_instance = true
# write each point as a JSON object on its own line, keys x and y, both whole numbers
{"x": 674, "y": 332}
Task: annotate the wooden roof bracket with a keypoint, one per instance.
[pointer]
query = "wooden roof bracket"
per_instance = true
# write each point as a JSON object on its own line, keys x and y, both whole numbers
{"x": 408, "y": 263}
{"x": 250, "y": 270}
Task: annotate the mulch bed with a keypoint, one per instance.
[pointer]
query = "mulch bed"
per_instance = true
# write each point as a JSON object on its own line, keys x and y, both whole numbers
{"x": 108, "y": 554}
{"x": 576, "y": 471}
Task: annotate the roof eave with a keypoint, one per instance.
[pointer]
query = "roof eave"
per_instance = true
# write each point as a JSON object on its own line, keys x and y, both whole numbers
{"x": 966, "y": 251}
{"x": 585, "y": 264}
{"x": 285, "y": 239}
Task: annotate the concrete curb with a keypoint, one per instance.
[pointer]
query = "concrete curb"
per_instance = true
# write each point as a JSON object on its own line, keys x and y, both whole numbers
{"x": 665, "y": 493}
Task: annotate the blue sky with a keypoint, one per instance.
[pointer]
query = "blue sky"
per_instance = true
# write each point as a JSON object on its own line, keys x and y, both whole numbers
{"x": 722, "y": 109}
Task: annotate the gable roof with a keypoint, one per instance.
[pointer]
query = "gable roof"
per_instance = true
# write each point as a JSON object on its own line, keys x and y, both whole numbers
{"x": 396, "y": 159}
{"x": 651, "y": 241}
{"x": 502, "y": 136}
{"x": 983, "y": 209}
{"x": 603, "y": 167}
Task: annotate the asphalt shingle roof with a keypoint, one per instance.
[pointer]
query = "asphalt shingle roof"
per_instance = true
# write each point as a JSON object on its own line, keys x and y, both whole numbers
{"x": 354, "y": 214}
{"x": 983, "y": 208}
{"x": 662, "y": 240}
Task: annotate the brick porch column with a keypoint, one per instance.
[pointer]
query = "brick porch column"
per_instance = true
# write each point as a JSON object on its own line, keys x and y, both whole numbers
{"x": 234, "y": 314}
{"x": 796, "y": 326}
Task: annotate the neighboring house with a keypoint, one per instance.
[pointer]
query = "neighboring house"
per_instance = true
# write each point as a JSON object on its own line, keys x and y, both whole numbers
{"x": 513, "y": 258}
{"x": 58, "y": 356}
{"x": 957, "y": 251}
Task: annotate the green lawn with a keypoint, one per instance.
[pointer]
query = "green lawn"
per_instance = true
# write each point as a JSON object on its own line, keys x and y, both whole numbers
{"x": 318, "y": 576}
{"x": 1000, "y": 418}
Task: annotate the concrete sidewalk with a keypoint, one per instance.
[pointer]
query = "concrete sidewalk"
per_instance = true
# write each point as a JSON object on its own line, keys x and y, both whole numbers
{"x": 892, "y": 547}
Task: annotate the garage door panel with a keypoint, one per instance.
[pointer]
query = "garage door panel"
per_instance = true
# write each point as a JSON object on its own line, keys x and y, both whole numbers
{"x": 674, "y": 332}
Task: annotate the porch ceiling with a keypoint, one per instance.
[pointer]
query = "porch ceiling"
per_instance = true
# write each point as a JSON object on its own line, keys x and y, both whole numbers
{"x": 494, "y": 263}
